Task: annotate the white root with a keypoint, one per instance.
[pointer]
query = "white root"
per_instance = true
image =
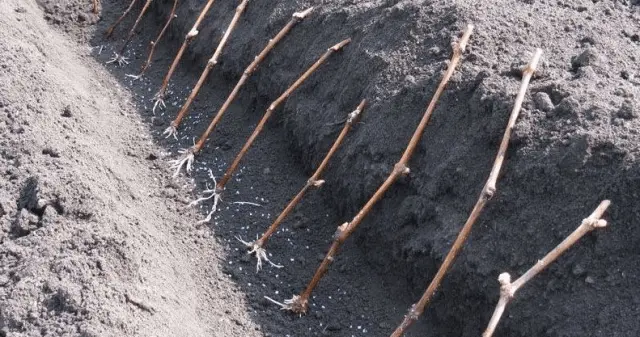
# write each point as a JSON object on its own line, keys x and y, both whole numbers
{"x": 213, "y": 193}
{"x": 158, "y": 101}
{"x": 121, "y": 60}
{"x": 187, "y": 161}
{"x": 260, "y": 253}
{"x": 171, "y": 131}
{"x": 246, "y": 203}
{"x": 134, "y": 77}
{"x": 289, "y": 305}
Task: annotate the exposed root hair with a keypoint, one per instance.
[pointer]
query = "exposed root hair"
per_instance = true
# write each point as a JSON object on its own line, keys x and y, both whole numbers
{"x": 171, "y": 131}
{"x": 213, "y": 194}
{"x": 158, "y": 101}
{"x": 187, "y": 161}
{"x": 260, "y": 253}
{"x": 121, "y": 60}
{"x": 293, "y": 304}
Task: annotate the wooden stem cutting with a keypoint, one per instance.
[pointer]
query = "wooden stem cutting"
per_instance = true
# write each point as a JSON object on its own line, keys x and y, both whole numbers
{"x": 95, "y": 6}
{"x": 257, "y": 247}
{"x": 300, "y": 303}
{"x": 508, "y": 289}
{"x": 189, "y": 154}
{"x": 162, "y": 92}
{"x": 487, "y": 193}
{"x": 173, "y": 127}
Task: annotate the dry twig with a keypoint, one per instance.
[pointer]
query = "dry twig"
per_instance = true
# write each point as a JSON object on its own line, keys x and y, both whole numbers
{"x": 234, "y": 165}
{"x": 191, "y": 153}
{"x": 173, "y": 127}
{"x": 257, "y": 247}
{"x": 119, "y": 56}
{"x": 95, "y": 6}
{"x": 162, "y": 92}
{"x": 113, "y": 26}
{"x": 154, "y": 44}
{"x": 487, "y": 193}
{"x": 508, "y": 289}
{"x": 300, "y": 303}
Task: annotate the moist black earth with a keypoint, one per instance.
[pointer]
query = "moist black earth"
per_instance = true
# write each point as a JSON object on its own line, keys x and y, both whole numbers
{"x": 575, "y": 143}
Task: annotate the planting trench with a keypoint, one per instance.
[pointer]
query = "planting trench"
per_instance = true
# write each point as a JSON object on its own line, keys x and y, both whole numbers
{"x": 111, "y": 262}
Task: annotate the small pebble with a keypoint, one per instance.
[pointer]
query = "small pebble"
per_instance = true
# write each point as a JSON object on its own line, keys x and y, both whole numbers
{"x": 66, "y": 112}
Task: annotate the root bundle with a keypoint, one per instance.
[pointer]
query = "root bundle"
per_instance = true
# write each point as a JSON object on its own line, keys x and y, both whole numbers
{"x": 299, "y": 303}
{"x": 220, "y": 185}
{"x": 508, "y": 289}
{"x": 257, "y": 247}
{"x": 487, "y": 193}
{"x": 173, "y": 127}
{"x": 160, "y": 96}
{"x": 119, "y": 57}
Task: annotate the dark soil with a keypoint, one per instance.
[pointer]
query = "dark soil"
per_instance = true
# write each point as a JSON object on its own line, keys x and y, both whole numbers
{"x": 575, "y": 144}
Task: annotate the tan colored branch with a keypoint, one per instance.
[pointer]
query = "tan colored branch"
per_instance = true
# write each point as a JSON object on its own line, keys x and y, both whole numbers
{"x": 299, "y": 303}
{"x": 173, "y": 127}
{"x": 257, "y": 247}
{"x": 487, "y": 193}
{"x": 509, "y": 289}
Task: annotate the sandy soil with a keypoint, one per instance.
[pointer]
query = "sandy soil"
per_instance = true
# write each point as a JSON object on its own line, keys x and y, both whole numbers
{"x": 97, "y": 239}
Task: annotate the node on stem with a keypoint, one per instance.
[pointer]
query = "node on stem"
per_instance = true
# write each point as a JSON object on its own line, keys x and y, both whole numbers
{"x": 508, "y": 289}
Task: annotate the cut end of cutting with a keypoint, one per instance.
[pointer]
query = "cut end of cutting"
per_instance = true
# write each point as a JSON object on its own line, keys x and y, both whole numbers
{"x": 303, "y": 14}
{"x": 504, "y": 279}
{"x": 341, "y": 45}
